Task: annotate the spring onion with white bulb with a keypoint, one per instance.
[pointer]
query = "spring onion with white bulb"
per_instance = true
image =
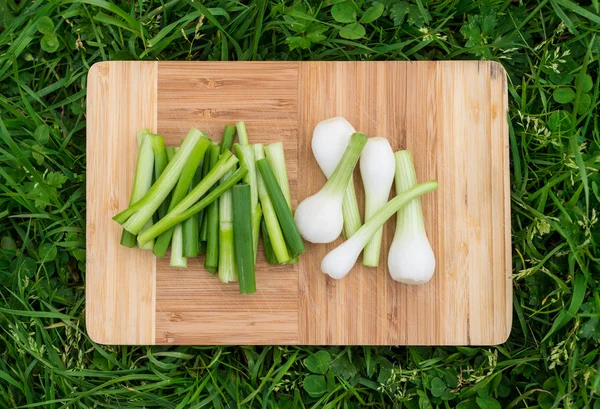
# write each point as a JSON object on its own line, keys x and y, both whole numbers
{"x": 319, "y": 217}
{"x": 329, "y": 141}
{"x": 377, "y": 166}
{"x": 338, "y": 262}
{"x": 411, "y": 259}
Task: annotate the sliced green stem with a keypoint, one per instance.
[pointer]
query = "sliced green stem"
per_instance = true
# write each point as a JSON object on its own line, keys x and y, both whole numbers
{"x": 275, "y": 235}
{"x": 181, "y": 191}
{"x": 228, "y": 135}
{"x": 142, "y": 181}
{"x": 190, "y": 230}
{"x": 160, "y": 164}
{"x": 211, "y": 261}
{"x": 206, "y": 166}
{"x": 241, "y": 133}
{"x": 270, "y": 254}
{"x": 177, "y": 258}
{"x": 135, "y": 217}
{"x": 282, "y": 209}
{"x": 227, "y": 268}
{"x": 176, "y": 216}
{"x": 242, "y": 238}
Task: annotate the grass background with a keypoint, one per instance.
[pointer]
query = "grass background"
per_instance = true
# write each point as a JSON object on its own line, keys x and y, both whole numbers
{"x": 550, "y": 49}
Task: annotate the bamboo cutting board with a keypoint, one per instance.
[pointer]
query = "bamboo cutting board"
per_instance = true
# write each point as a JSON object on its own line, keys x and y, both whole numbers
{"x": 452, "y": 115}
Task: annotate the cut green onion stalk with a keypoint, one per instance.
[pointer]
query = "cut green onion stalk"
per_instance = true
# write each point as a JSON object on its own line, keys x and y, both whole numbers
{"x": 329, "y": 141}
{"x": 411, "y": 259}
{"x": 275, "y": 235}
{"x": 319, "y": 217}
{"x": 191, "y": 235}
{"x": 271, "y": 258}
{"x": 211, "y": 261}
{"x": 181, "y": 191}
{"x": 160, "y": 163}
{"x": 170, "y": 151}
{"x": 228, "y": 136}
{"x": 227, "y": 270}
{"x": 338, "y": 262}
{"x": 245, "y": 154}
{"x": 282, "y": 210}
{"x": 377, "y": 166}
{"x": 188, "y": 206}
{"x": 142, "y": 182}
{"x": 276, "y": 157}
{"x": 177, "y": 258}
{"x": 137, "y": 215}
{"x": 241, "y": 133}
{"x": 203, "y": 214}
{"x": 242, "y": 238}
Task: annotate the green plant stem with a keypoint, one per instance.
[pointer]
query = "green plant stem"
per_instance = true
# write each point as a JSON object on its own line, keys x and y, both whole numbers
{"x": 181, "y": 191}
{"x": 275, "y": 239}
{"x": 135, "y": 217}
{"x": 282, "y": 210}
{"x": 142, "y": 182}
{"x": 338, "y": 182}
{"x": 179, "y": 214}
{"x": 242, "y": 238}
{"x": 228, "y": 136}
{"x": 177, "y": 258}
{"x": 211, "y": 261}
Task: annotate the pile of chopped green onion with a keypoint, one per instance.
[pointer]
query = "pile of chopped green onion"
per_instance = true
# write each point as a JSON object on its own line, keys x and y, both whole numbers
{"x": 202, "y": 198}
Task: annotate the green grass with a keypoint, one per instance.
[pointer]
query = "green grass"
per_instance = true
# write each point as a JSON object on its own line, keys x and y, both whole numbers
{"x": 550, "y": 50}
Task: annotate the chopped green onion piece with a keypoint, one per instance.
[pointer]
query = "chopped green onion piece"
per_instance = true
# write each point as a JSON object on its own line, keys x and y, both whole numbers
{"x": 186, "y": 208}
{"x": 227, "y": 269}
{"x": 276, "y": 239}
{"x": 135, "y": 217}
{"x": 142, "y": 181}
{"x": 276, "y": 157}
{"x": 177, "y": 258}
{"x": 190, "y": 230}
{"x": 181, "y": 191}
{"x": 282, "y": 209}
{"x": 228, "y": 135}
{"x": 271, "y": 259}
{"x": 245, "y": 154}
{"x": 241, "y": 132}
{"x": 242, "y": 238}
{"x": 211, "y": 261}
{"x": 202, "y": 218}
{"x": 160, "y": 163}
{"x": 170, "y": 151}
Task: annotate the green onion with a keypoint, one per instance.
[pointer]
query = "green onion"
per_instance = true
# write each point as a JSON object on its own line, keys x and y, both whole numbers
{"x": 202, "y": 218}
{"x": 211, "y": 261}
{"x": 142, "y": 181}
{"x": 191, "y": 233}
{"x": 188, "y": 206}
{"x": 170, "y": 151}
{"x": 245, "y": 154}
{"x": 242, "y": 238}
{"x": 177, "y": 258}
{"x": 271, "y": 258}
{"x": 160, "y": 163}
{"x": 228, "y": 135}
{"x": 241, "y": 132}
{"x": 276, "y": 157}
{"x": 135, "y": 217}
{"x": 275, "y": 235}
{"x": 227, "y": 270}
{"x": 282, "y": 209}
{"x": 181, "y": 190}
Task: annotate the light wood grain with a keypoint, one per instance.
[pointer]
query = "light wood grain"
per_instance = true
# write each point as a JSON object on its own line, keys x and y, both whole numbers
{"x": 120, "y": 282}
{"x": 452, "y": 115}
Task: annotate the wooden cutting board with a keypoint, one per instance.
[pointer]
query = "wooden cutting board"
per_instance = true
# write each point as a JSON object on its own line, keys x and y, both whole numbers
{"x": 452, "y": 115}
